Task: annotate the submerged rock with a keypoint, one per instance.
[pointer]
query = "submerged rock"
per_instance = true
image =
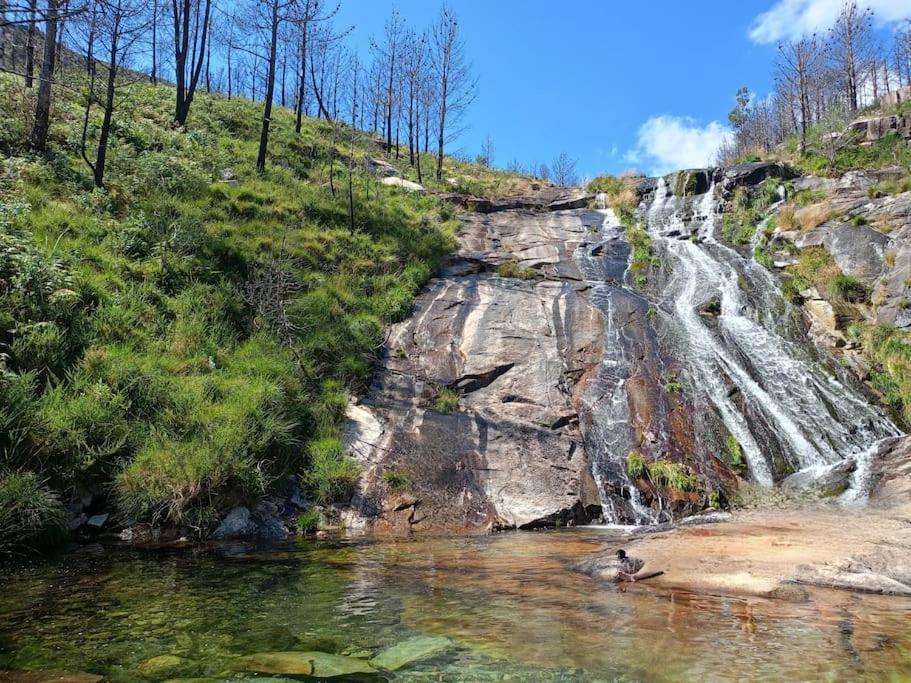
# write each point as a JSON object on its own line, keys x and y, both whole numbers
{"x": 411, "y": 650}
{"x": 312, "y": 663}
{"x": 48, "y": 677}
{"x": 161, "y": 665}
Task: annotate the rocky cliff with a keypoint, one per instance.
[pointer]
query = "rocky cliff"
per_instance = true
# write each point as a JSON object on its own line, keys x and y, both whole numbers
{"x": 569, "y": 367}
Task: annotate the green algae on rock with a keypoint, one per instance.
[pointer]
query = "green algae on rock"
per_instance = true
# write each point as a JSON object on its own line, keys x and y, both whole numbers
{"x": 411, "y": 650}
{"x": 320, "y": 664}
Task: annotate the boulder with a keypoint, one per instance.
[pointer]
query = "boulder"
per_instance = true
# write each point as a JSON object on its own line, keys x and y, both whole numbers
{"x": 238, "y": 523}
{"x": 752, "y": 174}
{"x": 402, "y": 183}
{"x": 823, "y": 480}
{"x": 411, "y": 650}
{"x": 875, "y": 128}
{"x": 380, "y": 167}
{"x": 858, "y": 250}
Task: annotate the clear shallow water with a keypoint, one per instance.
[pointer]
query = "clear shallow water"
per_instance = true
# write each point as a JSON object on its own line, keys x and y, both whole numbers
{"x": 510, "y": 603}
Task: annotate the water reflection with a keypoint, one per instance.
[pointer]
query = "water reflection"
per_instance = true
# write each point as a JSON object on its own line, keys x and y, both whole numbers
{"x": 511, "y": 604}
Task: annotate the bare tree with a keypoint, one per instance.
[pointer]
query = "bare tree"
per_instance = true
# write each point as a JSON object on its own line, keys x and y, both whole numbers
{"x": 415, "y": 60}
{"x": 191, "y": 23}
{"x": 485, "y": 158}
{"x": 275, "y": 12}
{"x": 306, "y": 15}
{"x": 456, "y": 85}
{"x": 41, "y": 126}
{"x": 563, "y": 170}
{"x": 797, "y": 69}
{"x": 116, "y": 26}
{"x": 30, "y": 43}
{"x": 388, "y": 53}
{"x": 851, "y": 48}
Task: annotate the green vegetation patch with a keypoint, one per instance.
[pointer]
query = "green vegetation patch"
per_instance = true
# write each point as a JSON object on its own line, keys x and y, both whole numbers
{"x": 185, "y": 341}
{"x": 31, "y": 516}
{"x": 662, "y": 473}
{"x": 512, "y": 269}
{"x": 446, "y": 401}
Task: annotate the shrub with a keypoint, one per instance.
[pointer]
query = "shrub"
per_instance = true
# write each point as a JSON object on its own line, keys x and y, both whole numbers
{"x": 31, "y": 516}
{"x": 635, "y": 465}
{"x": 848, "y": 288}
{"x": 661, "y": 473}
{"x": 332, "y": 476}
{"x": 397, "y": 480}
{"x": 763, "y": 258}
{"x": 734, "y": 452}
{"x": 664, "y": 473}
{"x": 446, "y": 401}
{"x": 308, "y": 521}
{"x": 787, "y": 219}
{"x": 513, "y": 269}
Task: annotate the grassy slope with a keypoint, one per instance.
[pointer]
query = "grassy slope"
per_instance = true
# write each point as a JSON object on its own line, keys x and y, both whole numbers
{"x": 131, "y": 357}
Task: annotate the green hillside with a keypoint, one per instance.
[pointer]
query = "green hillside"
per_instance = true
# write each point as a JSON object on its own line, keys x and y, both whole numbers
{"x": 183, "y": 339}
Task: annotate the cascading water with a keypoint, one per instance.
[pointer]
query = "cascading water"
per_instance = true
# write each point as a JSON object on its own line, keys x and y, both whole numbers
{"x": 608, "y": 437}
{"x": 747, "y": 366}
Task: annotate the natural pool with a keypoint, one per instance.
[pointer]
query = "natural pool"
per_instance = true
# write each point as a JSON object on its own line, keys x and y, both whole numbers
{"x": 510, "y": 606}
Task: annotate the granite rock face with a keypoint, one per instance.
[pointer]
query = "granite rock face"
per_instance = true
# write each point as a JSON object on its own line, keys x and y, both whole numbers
{"x": 515, "y": 352}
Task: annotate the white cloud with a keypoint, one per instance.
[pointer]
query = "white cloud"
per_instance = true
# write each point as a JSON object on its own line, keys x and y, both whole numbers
{"x": 670, "y": 143}
{"x": 792, "y": 19}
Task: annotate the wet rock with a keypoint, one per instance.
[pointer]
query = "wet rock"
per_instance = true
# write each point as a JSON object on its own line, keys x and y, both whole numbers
{"x": 238, "y": 523}
{"x": 608, "y": 566}
{"x": 271, "y": 530}
{"x": 873, "y": 574}
{"x": 161, "y": 665}
{"x": 97, "y": 521}
{"x": 705, "y": 518}
{"x": 408, "y": 185}
{"x": 890, "y": 474}
{"x": 824, "y": 480}
{"x": 411, "y": 650}
{"x": 312, "y": 663}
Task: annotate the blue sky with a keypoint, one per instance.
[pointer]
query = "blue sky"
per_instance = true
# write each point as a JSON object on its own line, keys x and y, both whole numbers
{"x": 616, "y": 84}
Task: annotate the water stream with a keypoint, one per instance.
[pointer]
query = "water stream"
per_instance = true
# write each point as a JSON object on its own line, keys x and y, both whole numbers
{"x": 747, "y": 361}
{"x": 510, "y": 605}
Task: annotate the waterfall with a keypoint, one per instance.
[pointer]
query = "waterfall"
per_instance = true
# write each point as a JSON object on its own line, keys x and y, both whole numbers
{"x": 748, "y": 369}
